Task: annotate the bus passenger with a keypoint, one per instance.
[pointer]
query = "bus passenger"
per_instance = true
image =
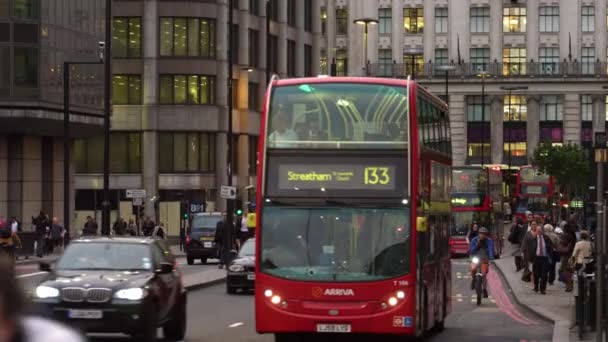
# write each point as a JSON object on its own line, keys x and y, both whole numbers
{"x": 283, "y": 134}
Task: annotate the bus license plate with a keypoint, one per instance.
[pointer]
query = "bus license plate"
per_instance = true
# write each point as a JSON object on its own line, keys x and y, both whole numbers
{"x": 85, "y": 314}
{"x": 333, "y": 328}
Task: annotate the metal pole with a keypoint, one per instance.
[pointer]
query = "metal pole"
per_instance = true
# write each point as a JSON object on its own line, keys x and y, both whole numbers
{"x": 105, "y": 205}
{"x": 446, "y": 87}
{"x": 365, "y": 48}
{"x": 229, "y": 202}
{"x": 413, "y": 68}
{"x": 599, "y": 276}
{"x": 66, "y": 146}
{"x": 483, "y": 116}
{"x": 268, "y": 50}
{"x": 509, "y": 116}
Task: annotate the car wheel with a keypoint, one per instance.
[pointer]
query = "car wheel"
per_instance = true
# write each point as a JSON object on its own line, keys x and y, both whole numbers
{"x": 203, "y": 261}
{"x": 148, "y": 329}
{"x": 190, "y": 260}
{"x": 230, "y": 289}
{"x": 175, "y": 329}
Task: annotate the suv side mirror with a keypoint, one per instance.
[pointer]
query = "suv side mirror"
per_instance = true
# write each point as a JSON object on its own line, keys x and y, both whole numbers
{"x": 165, "y": 268}
{"x": 45, "y": 267}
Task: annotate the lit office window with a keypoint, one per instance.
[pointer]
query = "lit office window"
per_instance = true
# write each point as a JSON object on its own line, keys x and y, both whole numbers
{"x": 341, "y": 67}
{"x": 588, "y": 18}
{"x": 441, "y": 20}
{"x": 187, "y": 89}
{"x": 514, "y": 61}
{"x": 413, "y": 20}
{"x": 342, "y": 21}
{"x": 551, "y": 108}
{"x": 480, "y": 19}
{"x": 548, "y": 19}
{"x": 517, "y": 149}
{"x": 385, "y": 20}
{"x": 126, "y": 37}
{"x": 474, "y": 150}
{"x": 126, "y": 89}
{"x": 514, "y": 19}
{"x": 192, "y": 37}
{"x": 515, "y": 108}
{"x": 186, "y": 152}
{"x": 125, "y": 149}
{"x": 414, "y": 64}
{"x": 25, "y": 9}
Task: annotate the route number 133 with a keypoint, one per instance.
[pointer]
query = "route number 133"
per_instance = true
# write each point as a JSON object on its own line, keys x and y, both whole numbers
{"x": 376, "y": 175}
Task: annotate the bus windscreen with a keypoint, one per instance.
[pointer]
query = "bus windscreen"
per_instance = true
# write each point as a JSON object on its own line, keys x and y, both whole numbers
{"x": 469, "y": 181}
{"x": 532, "y": 175}
{"x": 338, "y": 115}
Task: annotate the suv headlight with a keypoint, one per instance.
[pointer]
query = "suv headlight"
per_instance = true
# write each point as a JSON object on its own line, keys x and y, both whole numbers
{"x": 44, "y": 292}
{"x": 236, "y": 268}
{"x": 130, "y": 294}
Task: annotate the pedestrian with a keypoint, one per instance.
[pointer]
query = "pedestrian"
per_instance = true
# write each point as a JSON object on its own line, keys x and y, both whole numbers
{"x": 220, "y": 238}
{"x": 15, "y": 226}
{"x": 148, "y": 226}
{"x": 15, "y": 326}
{"x": 119, "y": 227}
{"x": 565, "y": 249}
{"x": 9, "y": 240}
{"x": 516, "y": 236}
{"x": 159, "y": 231}
{"x": 550, "y": 233}
{"x": 539, "y": 252}
{"x": 48, "y": 244}
{"x": 243, "y": 230}
{"x": 90, "y": 227}
{"x": 583, "y": 250}
{"x": 472, "y": 233}
{"x": 507, "y": 210}
{"x": 56, "y": 234}
{"x": 182, "y": 238}
{"x": 40, "y": 228}
{"x": 251, "y": 222}
{"x": 525, "y": 251}
{"x": 132, "y": 228}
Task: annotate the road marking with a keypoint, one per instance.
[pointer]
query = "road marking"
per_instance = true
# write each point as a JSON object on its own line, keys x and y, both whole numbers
{"x": 30, "y": 274}
{"x": 237, "y": 324}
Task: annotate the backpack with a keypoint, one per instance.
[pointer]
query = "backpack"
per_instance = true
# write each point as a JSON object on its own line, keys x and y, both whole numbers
{"x": 5, "y": 231}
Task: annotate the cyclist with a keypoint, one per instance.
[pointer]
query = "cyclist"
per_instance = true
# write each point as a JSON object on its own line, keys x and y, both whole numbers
{"x": 482, "y": 247}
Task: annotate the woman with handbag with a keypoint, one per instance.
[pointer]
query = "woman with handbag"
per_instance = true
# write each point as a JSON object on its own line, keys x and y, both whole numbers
{"x": 582, "y": 250}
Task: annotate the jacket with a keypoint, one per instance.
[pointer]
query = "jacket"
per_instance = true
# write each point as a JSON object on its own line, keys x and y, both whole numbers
{"x": 220, "y": 231}
{"x": 582, "y": 249}
{"x": 490, "y": 246}
{"x": 532, "y": 244}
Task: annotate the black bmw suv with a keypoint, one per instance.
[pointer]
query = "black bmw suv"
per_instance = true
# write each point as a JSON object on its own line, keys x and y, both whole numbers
{"x": 116, "y": 285}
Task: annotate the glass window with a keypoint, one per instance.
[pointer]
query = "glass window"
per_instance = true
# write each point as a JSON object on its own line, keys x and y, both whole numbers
{"x": 4, "y": 12}
{"x": 5, "y": 62}
{"x": 441, "y": 20}
{"x": 480, "y": 59}
{"x": 25, "y": 67}
{"x": 254, "y": 48}
{"x": 186, "y": 152}
{"x": 125, "y": 149}
{"x": 476, "y": 150}
{"x": 187, "y": 89}
{"x": 291, "y": 58}
{"x": 297, "y": 110}
{"x": 126, "y": 89}
{"x": 587, "y": 108}
{"x": 548, "y": 19}
{"x": 480, "y": 19}
{"x": 254, "y": 7}
{"x": 413, "y": 20}
{"x": 514, "y": 61}
{"x": 515, "y": 108}
{"x": 274, "y": 55}
{"x": 24, "y": 33}
{"x": 308, "y": 243}
{"x": 323, "y": 21}
{"x": 553, "y": 135}
{"x": 551, "y": 108}
{"x": 385, "y": 62}
{"x": 588, "y": 60}
{"x": 323, "y": 62}
{"x": 193, "y": 37}
{"x": 308, "y": 16}
{"x": 27, "y": 9}
{"x": 341, "y": 21}
{"x": 549, "y": 61}
{"x": 475, "y": 111}
{"x": 254, "y": 97}
{"x": 126, "y": 37}
{"x": 414, "y": 64}
{"x": 441, "y": 57}
{"x": 514, "y": 19}
{"x": 341, "y": 67}
{"x": 308, "y": 60}
{"x": 235, "y": 44}
{"x": 274, "y": 10}
{"x": 116, "y": 256}
{"x": 291, "y": 13}
{"x": 5, "y": 32}
{"x": 588, "y": 18}
{"x": 253, "y": 154}
{"x": 385, "y": 20}
{"x": 516, "y": 149}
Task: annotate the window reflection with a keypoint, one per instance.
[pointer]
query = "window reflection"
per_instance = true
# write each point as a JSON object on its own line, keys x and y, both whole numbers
{"x": 26, "y": 67}
{"x": 187, "y": 37}
{"x": 186, "y": 152}
{"x": 125, "y": 149}
{"x": 514, "y": 19}
{"x": 28, "y": 9}
{"x": 187, "y": 89}
{"x": 179, "y": 37}
{"x": 126, "y": 89}
{"x": 126, "y": 37}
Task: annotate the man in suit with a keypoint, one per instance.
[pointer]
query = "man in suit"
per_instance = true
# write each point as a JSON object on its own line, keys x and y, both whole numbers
{"x": 539, "y": 249}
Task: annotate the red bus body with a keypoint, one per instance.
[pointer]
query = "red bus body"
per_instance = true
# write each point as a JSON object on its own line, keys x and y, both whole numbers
{"x": 476, "y": 197}
{"x": 364, "y": 307}
{"x": 534, "y": 192}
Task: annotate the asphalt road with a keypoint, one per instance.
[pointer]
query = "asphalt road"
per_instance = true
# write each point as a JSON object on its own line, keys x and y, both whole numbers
{"x": 214, "y": 316}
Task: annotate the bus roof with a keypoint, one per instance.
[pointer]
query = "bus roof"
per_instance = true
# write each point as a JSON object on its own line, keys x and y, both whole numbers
{"x": 370, "y": 80}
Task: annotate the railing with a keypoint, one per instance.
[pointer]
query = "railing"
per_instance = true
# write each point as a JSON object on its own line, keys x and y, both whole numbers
{"x": 494, "y": 69}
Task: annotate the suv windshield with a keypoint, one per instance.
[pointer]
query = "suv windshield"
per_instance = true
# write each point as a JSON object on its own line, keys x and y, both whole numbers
{"x": 336, "y": 244}
{"x": 205, "y": 223}
{"x": 106, "y": 256}
{"x": 248, "y": 249}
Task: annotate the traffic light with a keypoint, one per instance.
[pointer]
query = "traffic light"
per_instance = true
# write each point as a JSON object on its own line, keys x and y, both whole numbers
{"x": 185, "y": 216}
{"x": 239, "y": 212}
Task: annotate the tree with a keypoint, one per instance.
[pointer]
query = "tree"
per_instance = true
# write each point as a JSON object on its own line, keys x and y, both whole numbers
{"x": 568, "y": 164}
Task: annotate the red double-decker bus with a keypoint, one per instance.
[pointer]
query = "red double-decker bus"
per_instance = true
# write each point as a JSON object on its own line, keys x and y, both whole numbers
{"x": 476, "y": 198}
{"x": 353, "y": 208}
{"x": 534, "y": 192}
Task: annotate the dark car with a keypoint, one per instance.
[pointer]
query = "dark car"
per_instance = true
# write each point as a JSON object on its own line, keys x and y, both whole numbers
{"x": 200, "y": 240}
{"x": 241, "y": 272}
{"x": 116, "y": 285}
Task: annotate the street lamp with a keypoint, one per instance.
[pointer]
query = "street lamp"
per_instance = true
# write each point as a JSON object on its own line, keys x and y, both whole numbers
{"x": 510, "y": 89}
{"x": 447, "y": 69}
{"x": 483, "y": 74}
{"x": 365, "y": 22}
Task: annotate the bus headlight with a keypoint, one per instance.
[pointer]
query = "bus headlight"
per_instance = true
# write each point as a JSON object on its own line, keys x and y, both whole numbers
{"x": 400, "y": 294}
{"x": 275, "y": 299}
{"x": 268, "y": 293}
{"x": 392, "y": 301}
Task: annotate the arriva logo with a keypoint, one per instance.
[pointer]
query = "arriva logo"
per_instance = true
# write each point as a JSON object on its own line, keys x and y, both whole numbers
{"x": 339, "y": 292}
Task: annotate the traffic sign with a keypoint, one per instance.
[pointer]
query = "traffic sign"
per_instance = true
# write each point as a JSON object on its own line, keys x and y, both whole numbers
{"x": 136, "y": 193}
{"x": 137, "y": 201}
{"x": 228, "y": 192}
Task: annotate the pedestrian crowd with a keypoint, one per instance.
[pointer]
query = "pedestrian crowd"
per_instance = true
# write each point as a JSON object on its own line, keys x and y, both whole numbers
{"x": 542, "y": 246}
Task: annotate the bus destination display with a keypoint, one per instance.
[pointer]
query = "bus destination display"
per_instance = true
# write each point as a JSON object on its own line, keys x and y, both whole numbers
{"x": 337, "y": 177}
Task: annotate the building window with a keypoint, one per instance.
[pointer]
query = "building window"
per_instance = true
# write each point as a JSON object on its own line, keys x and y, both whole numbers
{"x": 274, "y": 10}
{"x": 548, "y": 19}
{"x": 26, "y": 9}
{"x": 551, "y": 108}
{"x": 385, "y": 62}
{"x": 126, "y": 37}
{"x": 549, "y": 61}
{"x": 292, "y": 58}
{"x": 480, "y": 19}
{"x": 274, "y": 53}
{"x": 308, "y": 60}
{"x": 323, "y": 21}
{"x": 441, "y": 57}
{"x": 554, "y": 135}
{"x": 588, "y": 18}
{"x": 441, "y": 20}
{"x": 235, "y": 44}
{"x": 414, "y": 64}
{"x": 341, "y": 67}
{"x": 385, "y": 20}
{"x": 253, "y": 154}
{"x": 413, "y": 20}
{"x": 253, "y": 92}
{"x": 517, "y": 149}
{"x": 587, "y": 108}
{"x": 514, "y": 19}
{"x": 254, "y": 7}
{"x": 186, "y": 152}
{"x": 187, "y": 89}
{"x": 192, "y": 37}
{"x": 514, "y": 61}
{"x": 475, "y": 112}
{"x": 125, "y": 149}
{"x": 515, "y": 108}
{"x": 480, "y": 59}
{"x": 291, "y": 13}
{"x": 25, "y": 68}
{"x": 606, "y": 108}
{"x": 588, "y": 60}
{"x": 308, "y": 16}
{"x": 342, "y": 21}
{"x": 254, "y": 48}
{"x": 126, "y": 89}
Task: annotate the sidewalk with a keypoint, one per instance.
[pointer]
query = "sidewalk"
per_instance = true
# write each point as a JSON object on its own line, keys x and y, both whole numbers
{"x": 556, "y": 306}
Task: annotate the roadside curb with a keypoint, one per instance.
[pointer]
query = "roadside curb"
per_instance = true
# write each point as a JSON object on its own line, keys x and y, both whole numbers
{"x": 205, "y": 284}
{"x": 33, "y": 260}
{"x": 561, "y": 327}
